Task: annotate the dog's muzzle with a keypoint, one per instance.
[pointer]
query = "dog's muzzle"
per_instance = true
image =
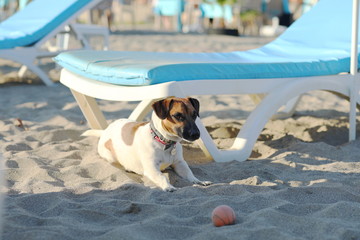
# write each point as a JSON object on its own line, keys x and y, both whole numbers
{"x": 191, "y": 133}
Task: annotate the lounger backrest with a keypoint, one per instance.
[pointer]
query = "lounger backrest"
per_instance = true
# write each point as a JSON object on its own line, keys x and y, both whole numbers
{"x": 36, "y": 20}
{"x": 327, "y": 24}
{"x": 322, "y": 33}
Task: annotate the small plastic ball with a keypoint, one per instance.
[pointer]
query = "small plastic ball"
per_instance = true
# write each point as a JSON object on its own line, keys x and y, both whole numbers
{"x": 223, "y": 215}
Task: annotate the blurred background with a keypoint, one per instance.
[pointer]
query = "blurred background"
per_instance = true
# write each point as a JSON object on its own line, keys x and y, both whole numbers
{"x": 232, "y": 17}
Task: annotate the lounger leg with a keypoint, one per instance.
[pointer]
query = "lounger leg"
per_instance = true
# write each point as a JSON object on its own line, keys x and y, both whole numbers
{"x": 143, "y": 108}
{"x": 354, "y": 97}
{"x": 81, "y": 31}
{"x": 288, "y": 109}
{"x": 256, "y": 121}
{"x": 22, "y": 71}
{"x": 91, "y": 110}
{"x": 40, "y": 73}
{"x": 26, "y": 58}
{"x": 286, "y": 112}
{"x": 206, "y": 143}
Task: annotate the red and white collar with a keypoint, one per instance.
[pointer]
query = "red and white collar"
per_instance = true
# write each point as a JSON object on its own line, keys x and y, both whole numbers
{"x": 160, "y": 138}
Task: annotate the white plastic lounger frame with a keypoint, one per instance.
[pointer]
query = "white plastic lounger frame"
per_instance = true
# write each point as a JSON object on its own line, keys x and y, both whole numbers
{"x": 278, "y": 92}
{"x": 249, "y": 133}
{"x": 27, "y": 56}
{"x": 354, "y": 88}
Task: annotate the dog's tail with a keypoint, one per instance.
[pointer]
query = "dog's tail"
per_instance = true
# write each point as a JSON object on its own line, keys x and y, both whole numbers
{"x": 92, "y": 132}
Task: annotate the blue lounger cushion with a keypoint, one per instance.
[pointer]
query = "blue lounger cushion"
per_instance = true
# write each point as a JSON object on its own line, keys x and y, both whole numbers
{"x": 39, "y": 18}
{"x": 310, "y": 47}
{"x": 144, "y": 68}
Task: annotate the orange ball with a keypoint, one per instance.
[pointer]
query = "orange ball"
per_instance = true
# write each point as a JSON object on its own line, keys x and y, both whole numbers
{"x": 223, "y": 215}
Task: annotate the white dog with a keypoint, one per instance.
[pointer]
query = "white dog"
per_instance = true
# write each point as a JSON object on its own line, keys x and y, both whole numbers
{"x": 148, "y": 148}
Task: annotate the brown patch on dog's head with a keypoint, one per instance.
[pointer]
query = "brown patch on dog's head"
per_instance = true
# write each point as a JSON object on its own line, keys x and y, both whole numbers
{"x": 178, "y": 116}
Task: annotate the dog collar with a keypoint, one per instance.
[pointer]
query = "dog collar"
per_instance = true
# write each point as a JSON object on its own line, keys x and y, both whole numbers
{"x": 160, "y": 138}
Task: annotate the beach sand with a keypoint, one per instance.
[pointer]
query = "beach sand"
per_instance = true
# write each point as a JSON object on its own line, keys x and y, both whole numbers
{"x": 301, "y": 182}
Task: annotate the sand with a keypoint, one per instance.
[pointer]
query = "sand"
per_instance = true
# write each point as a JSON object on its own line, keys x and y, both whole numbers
{"x": 301, "y": 182}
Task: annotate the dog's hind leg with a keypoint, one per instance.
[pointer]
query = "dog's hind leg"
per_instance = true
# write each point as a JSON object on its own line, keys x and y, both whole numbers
{"x": 106, "y": 151}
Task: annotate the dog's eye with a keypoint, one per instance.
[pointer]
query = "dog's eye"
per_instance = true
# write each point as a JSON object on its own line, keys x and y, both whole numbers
{"x": 179, "y": 117}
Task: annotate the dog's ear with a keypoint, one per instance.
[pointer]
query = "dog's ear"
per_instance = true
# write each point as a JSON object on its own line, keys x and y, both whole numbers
{"x": 161, "y": 108}
{"x": 195, "y": 104}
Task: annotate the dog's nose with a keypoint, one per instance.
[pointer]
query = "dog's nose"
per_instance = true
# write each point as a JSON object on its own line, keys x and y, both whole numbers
{"x": 193, "y": 135}
{"x": 191, "y": 132}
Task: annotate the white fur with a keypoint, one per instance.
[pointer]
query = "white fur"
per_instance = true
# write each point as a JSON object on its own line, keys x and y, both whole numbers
{"x": 92, "y": 132}
{"x": 145, "y": 156}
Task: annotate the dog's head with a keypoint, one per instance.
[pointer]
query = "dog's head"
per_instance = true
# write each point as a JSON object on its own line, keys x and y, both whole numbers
{"x": 178, "y": 116}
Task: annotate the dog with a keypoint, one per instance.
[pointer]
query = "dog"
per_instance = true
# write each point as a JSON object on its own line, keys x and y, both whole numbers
{"x": 150, "y": 147}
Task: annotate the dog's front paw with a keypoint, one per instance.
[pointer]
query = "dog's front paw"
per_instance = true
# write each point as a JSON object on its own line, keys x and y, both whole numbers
{"x": 203, "y": 183}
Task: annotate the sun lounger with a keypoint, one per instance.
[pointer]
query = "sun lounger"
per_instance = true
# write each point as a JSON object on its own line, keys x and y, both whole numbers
{"x": 23, "y": 35}
{"x": 318, "y": 52}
